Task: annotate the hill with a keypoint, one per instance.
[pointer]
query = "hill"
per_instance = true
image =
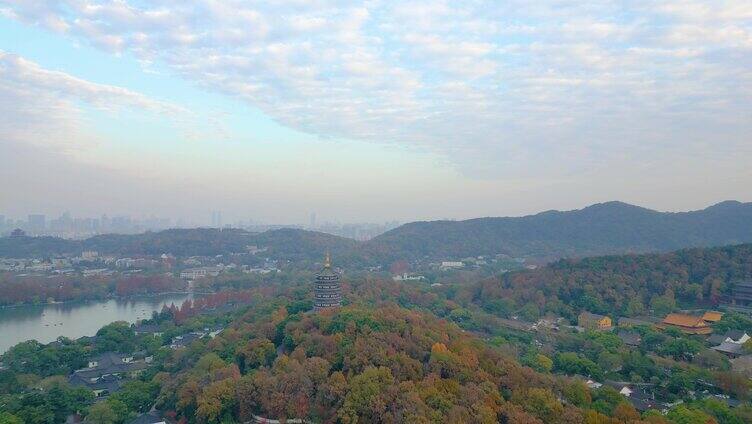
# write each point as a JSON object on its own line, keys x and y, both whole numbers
{"x": 289, "y": 244}
{"x": 624, "y": 285}
{"x": 605, "y": 228}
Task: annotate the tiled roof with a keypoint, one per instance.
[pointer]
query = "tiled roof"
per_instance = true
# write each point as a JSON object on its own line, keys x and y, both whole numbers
{"x": 727, "y": 347}
{"x": 630, "y": 338}
{"x": 712, "y": 316}
{"x": 735, "y": 334}
{"x": 588, "y": 315}
{"x": 683, "y": 320}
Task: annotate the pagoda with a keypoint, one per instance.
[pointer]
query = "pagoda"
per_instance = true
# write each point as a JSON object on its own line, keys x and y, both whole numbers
{"x": 327, "y": 292}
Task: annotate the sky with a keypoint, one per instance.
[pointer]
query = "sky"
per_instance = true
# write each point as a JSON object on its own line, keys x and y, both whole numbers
{"x": 371, "y": 111}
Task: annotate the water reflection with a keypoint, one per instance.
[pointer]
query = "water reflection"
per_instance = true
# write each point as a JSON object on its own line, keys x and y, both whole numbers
{"x": 47, "y": 322}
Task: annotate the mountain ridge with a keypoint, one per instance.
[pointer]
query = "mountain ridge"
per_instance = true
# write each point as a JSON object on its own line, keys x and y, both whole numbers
{"x": 600, "y": 229}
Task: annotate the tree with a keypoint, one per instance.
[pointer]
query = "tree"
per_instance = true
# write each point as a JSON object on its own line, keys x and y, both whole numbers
{"x": 683, "y": 415}
{"x": 368, "y": 396}
{"x": 102, "y": 413}
{"x": 8, "y": 418}
{"x": 626, "y": 413}
{"x": 540, "y": 402}
{"x": 577, "y": 393}
{"x": 137, "y": 395}
{"x": 118, "y": 337}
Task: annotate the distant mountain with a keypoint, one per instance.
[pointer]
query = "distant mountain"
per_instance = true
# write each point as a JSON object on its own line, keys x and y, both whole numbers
{"x": 604, "y": 228}
{"x": 289, "y": 244}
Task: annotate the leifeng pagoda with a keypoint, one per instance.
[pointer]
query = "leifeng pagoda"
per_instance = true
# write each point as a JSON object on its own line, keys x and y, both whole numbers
{"x": 326, "y": 289}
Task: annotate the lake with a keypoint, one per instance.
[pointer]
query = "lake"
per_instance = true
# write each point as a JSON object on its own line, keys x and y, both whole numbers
{"x": 46, "y": 323}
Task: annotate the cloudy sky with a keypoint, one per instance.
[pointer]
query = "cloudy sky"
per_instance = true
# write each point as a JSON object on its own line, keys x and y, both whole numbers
{"x": 375, "y": 110}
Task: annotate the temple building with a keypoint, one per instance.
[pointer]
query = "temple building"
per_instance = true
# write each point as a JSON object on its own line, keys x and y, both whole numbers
{"x": 326, "y": 289}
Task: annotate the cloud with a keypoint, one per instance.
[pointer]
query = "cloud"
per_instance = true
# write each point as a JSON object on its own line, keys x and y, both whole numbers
{"x": 500, "y": 87}
{"x": 44, "y": 107}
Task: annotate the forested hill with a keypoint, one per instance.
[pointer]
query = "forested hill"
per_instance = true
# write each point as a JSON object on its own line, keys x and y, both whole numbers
{"x": 624, "y": 285}
{"x": 291, "y": 244}
{"x": 605, "y": 228}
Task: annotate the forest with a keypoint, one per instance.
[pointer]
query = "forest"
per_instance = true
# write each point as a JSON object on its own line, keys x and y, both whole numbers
{"x": 40, "y": 289}
{"x": 625, "y": 285}
{"x": 394, "y": 353}
{"x": 606, "y": 228}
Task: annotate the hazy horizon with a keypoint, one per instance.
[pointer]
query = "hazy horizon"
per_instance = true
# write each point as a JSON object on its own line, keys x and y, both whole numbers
{"x": 249, "y": 221}
{"x": 371, "y": 111}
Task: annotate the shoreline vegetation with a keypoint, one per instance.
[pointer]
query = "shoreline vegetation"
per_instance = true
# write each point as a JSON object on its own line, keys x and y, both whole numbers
{"x": 23, "y": 290}
{"x": 100, "y": 299}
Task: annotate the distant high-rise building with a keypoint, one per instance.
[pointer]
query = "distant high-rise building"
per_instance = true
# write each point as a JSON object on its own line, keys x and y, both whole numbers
{"x": 2, "y": 221}
{"x": 36, "y": 223}
{"x": 327, "y": 292}
{"x": 216, "y": 219}
{"x": 313, "y": 219}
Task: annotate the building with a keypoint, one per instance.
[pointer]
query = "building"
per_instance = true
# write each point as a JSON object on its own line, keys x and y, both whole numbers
{"x": 630, "y": 338}
{"x": 196, "y": 273}
{"x": 406, "y": 276}
{"x": 151, "y": 417}
{"x": 104, "y": 373}
{"x": 688, "y": 324}
{"x": 742, "y": 365}
{"x": 451, "y": 264}
{"x": 37, "y": 223}
{"x": 730, "y": 349}
{"x": 731, "y": 336}
{"x": 741, "y": 294}
{"x": 89, "y": 255}
{"x": 327, "y": 292}
{"x": 712, "y": 316}
{"x": 593, "y": 321}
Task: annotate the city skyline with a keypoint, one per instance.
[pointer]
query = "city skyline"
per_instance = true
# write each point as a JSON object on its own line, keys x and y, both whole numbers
{"x": 372, "y": 111}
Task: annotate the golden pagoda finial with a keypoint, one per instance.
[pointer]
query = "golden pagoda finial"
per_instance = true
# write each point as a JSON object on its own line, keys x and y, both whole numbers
{"x": 328, "y": 260}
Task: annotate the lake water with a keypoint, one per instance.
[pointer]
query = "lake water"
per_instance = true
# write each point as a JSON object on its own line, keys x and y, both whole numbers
{"x": 46, "y": 323}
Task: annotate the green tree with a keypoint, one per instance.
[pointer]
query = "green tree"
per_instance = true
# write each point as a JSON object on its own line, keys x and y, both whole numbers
{"x": 662, "y": 305}
{"x": 137, "y": 395}
{"x": 8, "y": 418}
{"x": 366, "y": 398}
{"x": 684, "y": 415}
{"x": 102, "y": 413}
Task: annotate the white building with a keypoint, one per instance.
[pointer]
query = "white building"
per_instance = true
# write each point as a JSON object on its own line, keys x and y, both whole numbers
{"x": 451, "y": 264}
{"x": 195, "y": 273}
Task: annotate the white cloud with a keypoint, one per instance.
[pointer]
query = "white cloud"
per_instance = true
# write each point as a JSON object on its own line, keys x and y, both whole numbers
{"x": 487, "y": 83}
{"x": 42, "y": 107}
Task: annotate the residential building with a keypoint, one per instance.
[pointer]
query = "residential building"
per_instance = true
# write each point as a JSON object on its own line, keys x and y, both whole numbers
{"x": 688, "y": 324}
{"x": 104, "y": 373}
{"x": 147, "y": 329}
{"x": 89, "y": 255}
{"x": 593, "y": 321}
{"x": 186, "y": 339}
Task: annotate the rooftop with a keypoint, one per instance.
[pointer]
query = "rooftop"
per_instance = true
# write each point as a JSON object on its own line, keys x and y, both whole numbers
{"x": 683, "y": 320}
